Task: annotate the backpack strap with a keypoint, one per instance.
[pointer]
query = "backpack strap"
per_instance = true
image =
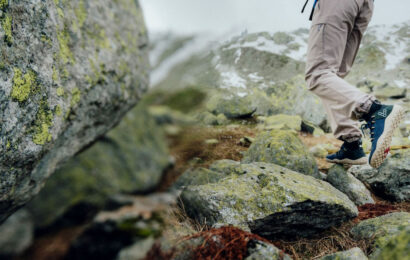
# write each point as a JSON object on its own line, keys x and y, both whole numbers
{"x": 313, "y": 9}
{"x": 304, "y": 6}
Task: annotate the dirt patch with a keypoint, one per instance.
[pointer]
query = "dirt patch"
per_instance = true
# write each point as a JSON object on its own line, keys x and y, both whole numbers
{"x": 189, "y": 148}
{"x": 368, "y": 211}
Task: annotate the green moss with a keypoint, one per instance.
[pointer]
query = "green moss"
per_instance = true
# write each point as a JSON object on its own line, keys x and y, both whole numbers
{"x": 6, "y": 24}
{"x": 22, "y": 85}
{"x": 55, "y": 74}
{"x": 76, "y": 96}
{"x": 60, "y": 91}
{"x": 44, "y": 120}
{"x": 8, "y": 145}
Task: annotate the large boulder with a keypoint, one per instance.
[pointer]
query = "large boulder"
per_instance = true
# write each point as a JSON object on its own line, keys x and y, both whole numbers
{"x": 269, "y": 200}
{"x": 283, "y": 148}
{"x": 391, "y": 180}
{"x": 130, "y": 159}
{"x": 69, "y": 71}
{"x": 349, "y": 185}
{"x": 382, "y": 229}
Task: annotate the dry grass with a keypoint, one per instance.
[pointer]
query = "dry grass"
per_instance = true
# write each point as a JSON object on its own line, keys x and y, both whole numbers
{"x": 190, "y": 148}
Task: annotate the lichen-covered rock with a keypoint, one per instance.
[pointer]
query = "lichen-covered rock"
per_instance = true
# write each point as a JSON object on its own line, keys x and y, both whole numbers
{"x": 259, "y": 250}
{"x": 349, "y": 185}
{"x": 129, "y": 159}
{"x": 16, "y": 234}
{"x": 322, "y": 150}
{"x": 69, "y": 71}
{"x": 284, "y": 122}
{"x": 137, "y": 251}
{"x": 382, "y": 229}
{"x": 391, "y": 180}
{"x": 352, "y": 254}
{"x": 283, "y": 148}
{"x": 268, "y": 200}
{"x": 165, "y": 115}
{"x": 396, "y": 248}
{"x": 197, "y": 176}
{"x": 232, "y": 106}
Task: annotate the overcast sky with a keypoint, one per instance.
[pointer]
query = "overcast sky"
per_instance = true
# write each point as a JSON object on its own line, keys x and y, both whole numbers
{"x": 219, "y": 16}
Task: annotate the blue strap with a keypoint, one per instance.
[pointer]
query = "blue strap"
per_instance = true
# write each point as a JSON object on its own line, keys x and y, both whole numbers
{"x": 313, "y": 10}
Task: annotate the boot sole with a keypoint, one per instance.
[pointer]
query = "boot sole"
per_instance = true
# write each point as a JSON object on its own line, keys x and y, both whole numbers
{"x": 383, "y": 144}
{"x": 360, "y": 161}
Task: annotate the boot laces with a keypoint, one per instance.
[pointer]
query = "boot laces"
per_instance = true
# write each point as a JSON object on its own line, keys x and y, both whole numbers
{"x": 369, "y": 125}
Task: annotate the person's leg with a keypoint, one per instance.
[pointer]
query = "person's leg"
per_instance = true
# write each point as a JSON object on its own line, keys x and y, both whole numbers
{"x": 329, "y": 45}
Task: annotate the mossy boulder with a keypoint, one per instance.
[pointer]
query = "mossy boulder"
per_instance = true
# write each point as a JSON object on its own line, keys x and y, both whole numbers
{"x": 349, "y": 185}
{"x": 283, "y": 148}
{"x": 283, "y": 122}
{"x": 382, "y": 229}
{"x": 396, "y": 248}
{"x": 197, "y": 176}
{"x": 232, "y": 106}
{"x": 129, "y": 159}
{"x": 69, "y": 71}
{"x": 269, "y": 200}
{"x": 392, "y": 180}
{"x": 352, "y": 254}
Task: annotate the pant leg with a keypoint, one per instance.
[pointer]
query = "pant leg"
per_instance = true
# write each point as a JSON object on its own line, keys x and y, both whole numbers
{"x": 332, "y": 24}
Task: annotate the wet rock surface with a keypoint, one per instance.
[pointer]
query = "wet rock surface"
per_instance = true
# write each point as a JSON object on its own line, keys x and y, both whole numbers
{"x": 69, "y": 71}
{"x": 270, "y": 200}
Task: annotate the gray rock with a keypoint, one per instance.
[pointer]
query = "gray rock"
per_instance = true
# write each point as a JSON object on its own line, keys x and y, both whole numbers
{"x": 269, "y": 200}
{"x": 352, "y": 254}
{"x": 232, "y": 106}
{"x": 349, "y": 185}
{"x": 16, "y": 234}
{"x": 259, "y": 250}
{"x": 283, "y": 148}
{"x": 382, "y": 229}
{"x": 129, "y": 159}
{"x": 392, "y": 180}
{"x": 137, "y": 251}
{"x": 69, "y": 71}
{"x": 197, "y": 176}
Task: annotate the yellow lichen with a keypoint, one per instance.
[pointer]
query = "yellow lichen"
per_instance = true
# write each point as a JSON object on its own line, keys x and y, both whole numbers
{"x": 55, "y": 74}
{"x": 60, "y": 91}
{"x": 44, "y": 120}
{"x": 22, "y": 85}
{"x": 65, "y": 52}
{"x": 6, "y": 24}
{"x": 4, "y": 4}
{"x": 58, "y": 110}
{"x": 81, "y": 13}
{"x": 60, "y": 12}
{"x": 76, "y": 96}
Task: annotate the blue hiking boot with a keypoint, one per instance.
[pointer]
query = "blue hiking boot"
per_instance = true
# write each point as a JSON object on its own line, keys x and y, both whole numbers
{"x": 382, "y": 120}
{"x": 350, "y": 153}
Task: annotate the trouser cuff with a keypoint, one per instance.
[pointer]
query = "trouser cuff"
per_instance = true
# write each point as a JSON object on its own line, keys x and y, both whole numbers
{"x": 364, "y": 107}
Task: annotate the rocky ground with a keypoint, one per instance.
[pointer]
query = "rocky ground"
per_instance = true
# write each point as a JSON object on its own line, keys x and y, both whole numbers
{"x": 224, "y": 159}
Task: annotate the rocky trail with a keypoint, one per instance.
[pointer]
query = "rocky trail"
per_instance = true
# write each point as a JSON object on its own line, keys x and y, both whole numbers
{"x": 222, "y": 157}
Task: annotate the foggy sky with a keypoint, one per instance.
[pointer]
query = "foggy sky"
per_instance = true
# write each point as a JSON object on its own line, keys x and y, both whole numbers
{"x": 219, "y": 16}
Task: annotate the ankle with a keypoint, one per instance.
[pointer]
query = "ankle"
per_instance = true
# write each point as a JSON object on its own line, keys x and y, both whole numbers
{"x": 376, "y": 105}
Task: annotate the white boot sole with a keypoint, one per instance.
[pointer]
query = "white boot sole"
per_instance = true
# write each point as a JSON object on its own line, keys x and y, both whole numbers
{"x": 360, "y": 161}
{"x": 392, "y": 122}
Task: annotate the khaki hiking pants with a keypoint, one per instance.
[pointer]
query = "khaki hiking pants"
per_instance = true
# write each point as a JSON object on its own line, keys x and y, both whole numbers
{"x": 335, "y": 36}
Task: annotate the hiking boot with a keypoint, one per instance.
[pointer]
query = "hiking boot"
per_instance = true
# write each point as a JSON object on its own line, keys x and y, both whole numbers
{"x": 350, "y": 153}
{"x": 382, "y": 120}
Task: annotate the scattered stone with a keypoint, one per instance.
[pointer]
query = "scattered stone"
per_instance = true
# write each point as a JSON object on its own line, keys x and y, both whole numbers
{"x": 352, "y": 254}
{"x": 382, "y": 229}
{"x": 129, "y": 159}
{"x": 311, "y": 128}
{"x": 283, "y": 148}
{"x": 137, "y": 251}
{"x": 69, "y": 72}
{"x": 270, "y": 200}
{"x": 211, "y": 141}
{"x": 283, "y": 122}
{"x": 349, "y": 185}
{"x": 322, "y": 150}
{"x": 396, "y": 248}
{"x": 392, "y": 180}
{"x": 259, "y": 250}
{"x": 165, "y": 115}
{"x": 210, "y": 119}
{"x": 389, "y": 91}
{"x": 16, "y": 234}
{"x": 231, "y": 106}
{"x": 246, "y": 141}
